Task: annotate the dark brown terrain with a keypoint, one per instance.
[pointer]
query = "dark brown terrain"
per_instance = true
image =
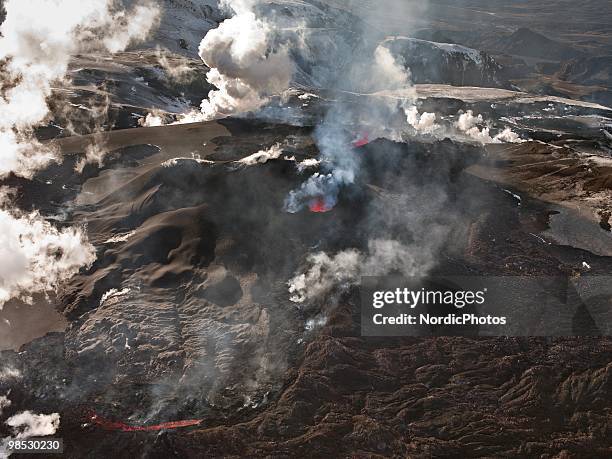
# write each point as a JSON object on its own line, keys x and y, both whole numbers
{"x": 146, "y": 355}
{"x": 186, "y": 315}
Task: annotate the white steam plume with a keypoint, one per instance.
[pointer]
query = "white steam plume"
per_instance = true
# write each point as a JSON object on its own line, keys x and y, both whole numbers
{"x": 27, "y": 424}
{"x": 8, "y": 373}
{"x": 262, "y": 156}
{"x": 467, "y": 121}
{"x": 246, "y": 65}
{"x": 468, "y": 124}
{"x": 345, "y": 268}
{"x": 175, "y": 67}
{"x": 38, "y": 39}
{"x": 421, "y": 122}
{"x": 37, "y": 256}
{"x": 508, "y": 136}
{"x": 94, "y": 153}
{"x": 307, "y": 163}
{"x": 151, "y": 120}
{"x": 387, "y": 71}
{"x": 324, "y": 274}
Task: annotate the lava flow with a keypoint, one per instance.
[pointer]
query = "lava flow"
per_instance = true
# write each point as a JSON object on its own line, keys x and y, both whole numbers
{"x": 319, "y": 205}
{"x": 364, "y": 139}
{"x": 120, "y": 426}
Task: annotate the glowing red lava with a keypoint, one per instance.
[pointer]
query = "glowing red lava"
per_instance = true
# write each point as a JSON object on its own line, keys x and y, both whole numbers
{"x": 361, "y": 141}
{"x": 319, "y": 205}
{"x": 120, "y": 426}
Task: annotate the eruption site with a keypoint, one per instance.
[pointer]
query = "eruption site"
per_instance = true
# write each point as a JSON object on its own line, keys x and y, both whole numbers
{"x": 362, "y": 140}
{"x": 319, "y": 205}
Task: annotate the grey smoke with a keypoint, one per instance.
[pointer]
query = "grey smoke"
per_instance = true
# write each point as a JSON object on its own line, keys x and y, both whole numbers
{"x": 357, "y": 63}
{"x": 4, "y": 403}
{"x": 414, "y": 255}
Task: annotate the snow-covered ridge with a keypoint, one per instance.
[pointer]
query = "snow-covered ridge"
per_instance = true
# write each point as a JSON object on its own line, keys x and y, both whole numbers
{"x": 432, "y": 62}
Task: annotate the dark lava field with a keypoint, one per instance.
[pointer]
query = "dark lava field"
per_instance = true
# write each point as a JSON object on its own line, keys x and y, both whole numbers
{"x": 219, "y": 314}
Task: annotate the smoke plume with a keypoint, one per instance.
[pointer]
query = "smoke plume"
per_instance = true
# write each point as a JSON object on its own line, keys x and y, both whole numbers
{"x": 308, "y": 163}
{"x": 262, "y": 156}
{"x": 37, "y": 256}
{"x": 374, "y": 119}
{"x": 469, "y": 124}
{"x": 7, "y": 373}
{"x": 151, "y": 120}
{"x": 246, "y": 65}
{"x": 414, "y": 256}
{"x": 421, "y": 122}
{"x": 27, "y": 424}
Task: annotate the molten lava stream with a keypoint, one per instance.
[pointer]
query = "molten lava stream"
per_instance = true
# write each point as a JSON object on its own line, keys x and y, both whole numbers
{"x": 120, "y": 426}
{"x": 319, "y": 205}
{"x": 364, "y": 139}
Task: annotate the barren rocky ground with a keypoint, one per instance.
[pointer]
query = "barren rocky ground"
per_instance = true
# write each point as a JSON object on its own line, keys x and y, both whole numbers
{"x": 182, "y": 340}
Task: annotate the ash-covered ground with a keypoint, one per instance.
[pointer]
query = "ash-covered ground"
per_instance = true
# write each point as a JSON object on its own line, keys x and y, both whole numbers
{"x": 186, "y": 225}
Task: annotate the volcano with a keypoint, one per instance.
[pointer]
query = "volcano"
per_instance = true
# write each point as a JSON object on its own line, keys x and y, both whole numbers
{"x": 160, "y": 298}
